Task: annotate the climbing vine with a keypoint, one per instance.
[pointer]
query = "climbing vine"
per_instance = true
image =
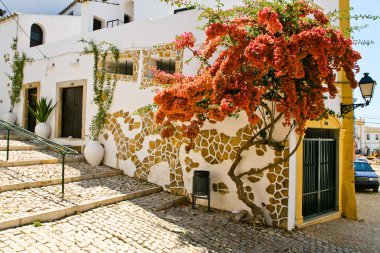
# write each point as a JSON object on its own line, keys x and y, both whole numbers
{"x": 17, "y": 77}
{"x": 103, "y": 82}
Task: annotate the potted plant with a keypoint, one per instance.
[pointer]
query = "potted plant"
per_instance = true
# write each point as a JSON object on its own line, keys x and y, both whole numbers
{"x": 16, "y": 78}
{"x": 103, "y": 87}
{"x": 42, "y": 113}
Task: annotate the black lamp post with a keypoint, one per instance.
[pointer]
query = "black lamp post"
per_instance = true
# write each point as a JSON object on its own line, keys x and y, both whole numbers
{"x": 367, "y": 87}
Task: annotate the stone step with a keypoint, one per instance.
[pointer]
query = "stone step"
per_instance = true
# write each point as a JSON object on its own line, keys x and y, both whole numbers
{"x": 18, "y": 145}
{"x": 23, "y": 207}
{"x": 159, "y": 201}
{"x": 21, "y": 177}
{"x": 33, "y": 157}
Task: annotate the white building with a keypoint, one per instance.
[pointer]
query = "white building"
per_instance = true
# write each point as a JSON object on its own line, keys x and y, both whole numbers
{"x": 61, "y": 73}
{"x": 366, "y": 138}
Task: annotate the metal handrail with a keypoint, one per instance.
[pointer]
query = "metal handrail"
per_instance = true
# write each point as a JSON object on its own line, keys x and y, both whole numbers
{"x": 63, "y": 150}
{"x": 118, "y": 21}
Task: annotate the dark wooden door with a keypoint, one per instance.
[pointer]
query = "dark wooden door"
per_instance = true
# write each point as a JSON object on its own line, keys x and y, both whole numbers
{"x": 72, "y": 99}
{"x": 32, "y": 102}
{"x": 319, "y": 177}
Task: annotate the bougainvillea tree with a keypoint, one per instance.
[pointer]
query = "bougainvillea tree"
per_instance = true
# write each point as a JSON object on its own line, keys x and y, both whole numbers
{"x": 274, "y": 61}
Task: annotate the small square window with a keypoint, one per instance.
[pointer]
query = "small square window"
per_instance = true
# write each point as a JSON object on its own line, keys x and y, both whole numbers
{"x": 97, "y": 24}
{"x": 166, "y": 65}
{"x": 123, "y": 67}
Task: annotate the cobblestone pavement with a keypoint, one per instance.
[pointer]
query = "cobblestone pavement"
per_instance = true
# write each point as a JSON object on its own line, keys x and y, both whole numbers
{"x": 41, "y": 172}
{"x": 133, "y": 226}
{"x": 362, "y": 235}
{"x": 17, "y": 203}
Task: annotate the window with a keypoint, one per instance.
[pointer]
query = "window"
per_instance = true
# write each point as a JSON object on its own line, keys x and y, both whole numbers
{"x": 126, "y": 19}
{"x": 97, "y": 24}
{"x": 368, "y": 137}
{"x": 166, "y": 65}
{"x": 377, "y": 137}
{"x": 71, "y": 13}
{"x": 123, "y": 67}
{"x": 36, "y": 35}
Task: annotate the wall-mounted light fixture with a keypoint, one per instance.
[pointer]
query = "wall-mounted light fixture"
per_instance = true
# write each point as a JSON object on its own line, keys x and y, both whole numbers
{"x": 367, "y": 87}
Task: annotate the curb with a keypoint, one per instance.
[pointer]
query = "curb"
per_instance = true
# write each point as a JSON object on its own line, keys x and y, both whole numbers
{"x": 23, "y": 148}
{"x": 56, "y": 181}
{"x": 14, "y": 137}
{"x": 59, "y": 213}
{"x": 178, "y": 200}
{"x": 43, "y": 161}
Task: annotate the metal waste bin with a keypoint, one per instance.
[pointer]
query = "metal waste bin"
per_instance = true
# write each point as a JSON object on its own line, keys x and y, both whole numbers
{"x": 201, "y": 186}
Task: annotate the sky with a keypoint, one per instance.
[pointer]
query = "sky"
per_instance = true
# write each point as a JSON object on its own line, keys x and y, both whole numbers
{"x": 36, "y": 6}
{"x": 370, "y": 57}
{"x": 370, "y": 54}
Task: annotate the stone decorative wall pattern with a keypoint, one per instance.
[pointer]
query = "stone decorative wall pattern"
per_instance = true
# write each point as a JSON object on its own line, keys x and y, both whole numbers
{"x": 214, "y": 148}
{"x": 278, "y": 188}
{"x": 222, "y": 188}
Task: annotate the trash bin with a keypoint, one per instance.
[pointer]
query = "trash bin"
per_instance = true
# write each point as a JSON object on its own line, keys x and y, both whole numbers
{"x": 201, "y": 186}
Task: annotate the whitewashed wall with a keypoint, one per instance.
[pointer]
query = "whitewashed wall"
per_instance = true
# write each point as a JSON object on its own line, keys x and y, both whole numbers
{"x": 8, "y": 30}
{"x": 139, "y": 35}
{"x": 105, "y": 12}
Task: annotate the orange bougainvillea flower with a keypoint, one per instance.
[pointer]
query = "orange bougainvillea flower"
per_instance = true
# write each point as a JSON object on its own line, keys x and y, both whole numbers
{"x": 290, "y": 49}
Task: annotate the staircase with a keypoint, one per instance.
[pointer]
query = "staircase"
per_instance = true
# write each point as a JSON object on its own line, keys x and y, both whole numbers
{"x": 30, "y": 184}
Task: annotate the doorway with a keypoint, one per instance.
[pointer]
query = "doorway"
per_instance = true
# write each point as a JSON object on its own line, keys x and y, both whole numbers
{"x": 31, "y": 94}
{"x": 31, "y": 102}
{"x": 319, "y": 173}
{"x": 72, "y": 107}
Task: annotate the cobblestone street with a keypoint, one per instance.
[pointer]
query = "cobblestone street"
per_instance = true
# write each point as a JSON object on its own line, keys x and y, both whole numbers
{"x": 135, "y": 226}
{"x": 29, "y": 187}
{"x": 362, "y": 235}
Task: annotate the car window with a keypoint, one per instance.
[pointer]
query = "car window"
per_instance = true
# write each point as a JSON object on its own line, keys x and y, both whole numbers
{"x": 362, "y": 167}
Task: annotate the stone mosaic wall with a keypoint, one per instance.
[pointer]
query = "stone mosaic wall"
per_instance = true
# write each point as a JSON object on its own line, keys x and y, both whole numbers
{"x": 137, "y": 134}
{"x": 214, "y": 147}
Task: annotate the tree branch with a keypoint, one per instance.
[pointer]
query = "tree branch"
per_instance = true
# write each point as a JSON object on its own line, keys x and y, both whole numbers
{"x": 254, "y": 171}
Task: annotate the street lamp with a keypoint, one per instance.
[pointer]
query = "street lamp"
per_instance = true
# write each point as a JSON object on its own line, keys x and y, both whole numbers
{"x": 367, "y": 87}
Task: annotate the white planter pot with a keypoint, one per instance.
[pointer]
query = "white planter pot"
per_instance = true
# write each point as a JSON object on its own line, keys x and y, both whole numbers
{"x": 93, "y": 152}
{"x": 10, "y": 117}
{"x": 42, "y": 129}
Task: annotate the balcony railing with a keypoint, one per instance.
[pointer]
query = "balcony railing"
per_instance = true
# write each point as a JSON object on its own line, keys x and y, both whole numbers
{"x": 113, "y": 23}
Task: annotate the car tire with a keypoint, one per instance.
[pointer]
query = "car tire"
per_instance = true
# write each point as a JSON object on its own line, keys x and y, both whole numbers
{"x": 376, "y": 189}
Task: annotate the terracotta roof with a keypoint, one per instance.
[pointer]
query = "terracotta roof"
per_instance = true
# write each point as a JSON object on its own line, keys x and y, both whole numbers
{"x": 8, "y": 17}
{"x": 71, "y": 5}
{"x": 81, "y": 1}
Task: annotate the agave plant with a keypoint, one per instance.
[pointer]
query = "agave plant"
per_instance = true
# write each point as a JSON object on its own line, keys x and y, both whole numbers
{"x": 43, "y": 110}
